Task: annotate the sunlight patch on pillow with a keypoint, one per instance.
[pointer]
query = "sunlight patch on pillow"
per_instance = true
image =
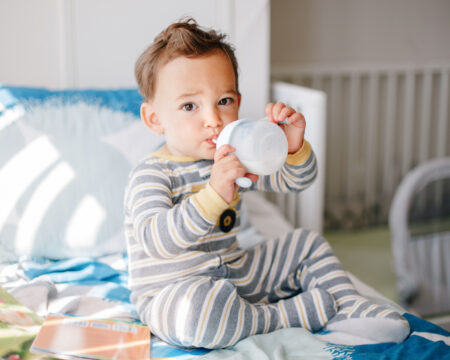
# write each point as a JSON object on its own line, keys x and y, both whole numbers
{"x": 63, "y": 171}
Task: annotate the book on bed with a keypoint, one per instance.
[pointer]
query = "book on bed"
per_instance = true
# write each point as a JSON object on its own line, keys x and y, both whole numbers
{"x": 75, "y": 337}
{"x": 18, "y": 327}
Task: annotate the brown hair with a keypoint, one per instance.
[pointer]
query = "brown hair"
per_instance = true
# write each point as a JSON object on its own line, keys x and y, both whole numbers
{"x": 184, "y": 38}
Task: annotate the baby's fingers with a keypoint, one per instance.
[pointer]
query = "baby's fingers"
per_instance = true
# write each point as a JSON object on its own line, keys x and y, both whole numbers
{"x": 278, "y": 112}
{"x": 252, "y": 177}
{"x": 298, "y": 120}
{"x": 223, "y": 151}
{"x": 285, "y": 112}
{"x": 273, "y": 111}
{"x": 268, "y": 110}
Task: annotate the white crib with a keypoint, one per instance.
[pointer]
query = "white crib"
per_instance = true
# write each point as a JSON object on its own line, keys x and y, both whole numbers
{"x": 382, "y": 120}
{"x": 306, "y": 209}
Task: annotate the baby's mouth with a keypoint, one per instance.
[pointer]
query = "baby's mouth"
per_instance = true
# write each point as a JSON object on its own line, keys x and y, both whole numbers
{"x": 212, "y": 140}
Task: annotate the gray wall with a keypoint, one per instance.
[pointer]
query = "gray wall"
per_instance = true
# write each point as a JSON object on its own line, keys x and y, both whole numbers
{"x": 385, "y": 67}
{"x": 360, "y": 31}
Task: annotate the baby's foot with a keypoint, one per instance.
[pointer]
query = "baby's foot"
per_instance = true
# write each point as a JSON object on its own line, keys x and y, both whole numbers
{"x": 314, "y": 308}
{"x": 362, "y": 317}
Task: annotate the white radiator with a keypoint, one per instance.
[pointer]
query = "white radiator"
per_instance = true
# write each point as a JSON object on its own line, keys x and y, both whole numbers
{"x": 381, "y": 122}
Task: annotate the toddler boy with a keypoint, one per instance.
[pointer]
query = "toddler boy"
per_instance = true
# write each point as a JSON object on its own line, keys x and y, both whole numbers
{"x": 190, "y": 281}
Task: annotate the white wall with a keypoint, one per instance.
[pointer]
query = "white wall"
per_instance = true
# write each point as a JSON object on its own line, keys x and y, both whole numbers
{"x": 323, "y": 32}
{"x": 29, "y": 43}
{"x": 95, "y": 43}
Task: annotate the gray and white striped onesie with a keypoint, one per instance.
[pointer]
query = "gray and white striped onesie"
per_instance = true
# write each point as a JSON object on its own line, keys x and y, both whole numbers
{"x": 191, "y": 282}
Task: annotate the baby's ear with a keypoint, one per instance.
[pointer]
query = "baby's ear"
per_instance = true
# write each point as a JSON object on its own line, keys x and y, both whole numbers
{"x": 148, "y": 115}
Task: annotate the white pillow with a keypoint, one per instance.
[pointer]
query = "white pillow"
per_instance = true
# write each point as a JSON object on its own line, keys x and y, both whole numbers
{"x": 64, "y": 161}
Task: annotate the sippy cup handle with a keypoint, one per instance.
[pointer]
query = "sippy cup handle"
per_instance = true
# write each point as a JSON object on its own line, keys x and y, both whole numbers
{"x": 243, "y": 182}
{"x": 285, "y": 121}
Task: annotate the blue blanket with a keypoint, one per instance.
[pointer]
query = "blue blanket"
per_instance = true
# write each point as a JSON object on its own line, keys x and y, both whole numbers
{"x": 427, "y": 341}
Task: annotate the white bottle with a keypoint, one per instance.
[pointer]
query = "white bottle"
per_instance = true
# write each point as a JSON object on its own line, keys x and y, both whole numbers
{"x": 260, "y": 145}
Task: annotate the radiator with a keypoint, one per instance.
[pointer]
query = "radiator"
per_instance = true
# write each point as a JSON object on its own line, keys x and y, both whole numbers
{"x": 381, "y": 122}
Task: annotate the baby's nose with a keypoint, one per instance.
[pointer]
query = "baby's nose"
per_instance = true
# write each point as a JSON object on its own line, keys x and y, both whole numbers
{"x": 213, "y": 120}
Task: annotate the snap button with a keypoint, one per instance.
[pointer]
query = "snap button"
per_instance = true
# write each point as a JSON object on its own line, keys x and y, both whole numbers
{"x": 227, "y": 220}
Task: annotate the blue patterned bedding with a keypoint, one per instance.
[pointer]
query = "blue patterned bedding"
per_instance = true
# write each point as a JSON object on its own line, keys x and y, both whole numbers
{"x": 97, "y": 287}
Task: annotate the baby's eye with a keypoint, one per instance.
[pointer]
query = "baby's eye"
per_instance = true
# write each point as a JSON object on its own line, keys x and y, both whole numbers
{"x": 188, "y": 107}
{"x": 226, "y": 101}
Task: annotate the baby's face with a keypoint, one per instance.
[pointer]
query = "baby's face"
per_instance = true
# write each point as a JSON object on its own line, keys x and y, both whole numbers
{"x": 194, "y": 99}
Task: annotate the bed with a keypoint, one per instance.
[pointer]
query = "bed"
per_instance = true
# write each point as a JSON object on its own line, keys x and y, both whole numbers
{"x": 64, "y": 160}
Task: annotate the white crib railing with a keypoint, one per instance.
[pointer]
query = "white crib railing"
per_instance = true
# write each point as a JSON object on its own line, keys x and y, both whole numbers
{"x": 381, "y": 122}
{"x": 306, "y": 209}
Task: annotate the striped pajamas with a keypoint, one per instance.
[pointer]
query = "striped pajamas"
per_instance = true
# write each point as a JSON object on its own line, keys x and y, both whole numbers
{"x": 257, "y": 293}
{"x": 192, "y": 284}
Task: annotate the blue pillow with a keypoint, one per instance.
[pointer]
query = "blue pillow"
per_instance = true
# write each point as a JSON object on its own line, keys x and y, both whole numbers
{"x": 64, "y": 161}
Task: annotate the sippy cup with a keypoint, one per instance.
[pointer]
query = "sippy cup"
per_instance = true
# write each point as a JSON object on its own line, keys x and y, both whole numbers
{"x": 260, "y": 145}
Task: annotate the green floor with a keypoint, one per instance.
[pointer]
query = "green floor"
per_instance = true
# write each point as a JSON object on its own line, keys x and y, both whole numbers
{"x": 367, "y": 254}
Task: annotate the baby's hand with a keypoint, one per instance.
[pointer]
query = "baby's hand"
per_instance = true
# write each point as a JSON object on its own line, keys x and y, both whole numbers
{"x": 295, "y": 130}
{"x": 226, "y": 169}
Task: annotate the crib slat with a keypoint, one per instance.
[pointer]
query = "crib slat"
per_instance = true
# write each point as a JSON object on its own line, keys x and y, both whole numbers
{"x": 408, "y": 123}
{"x": 425, "y": 117}
{"x": 334, "y": 150}
{"x": 443, "y": 116}
{"x": 424, "y": 130}
{"x": 353, "y": 136}
{"x": 371, "y": 138}
{"x": 441, "y": 130}
{"x": 388, "y": 146}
